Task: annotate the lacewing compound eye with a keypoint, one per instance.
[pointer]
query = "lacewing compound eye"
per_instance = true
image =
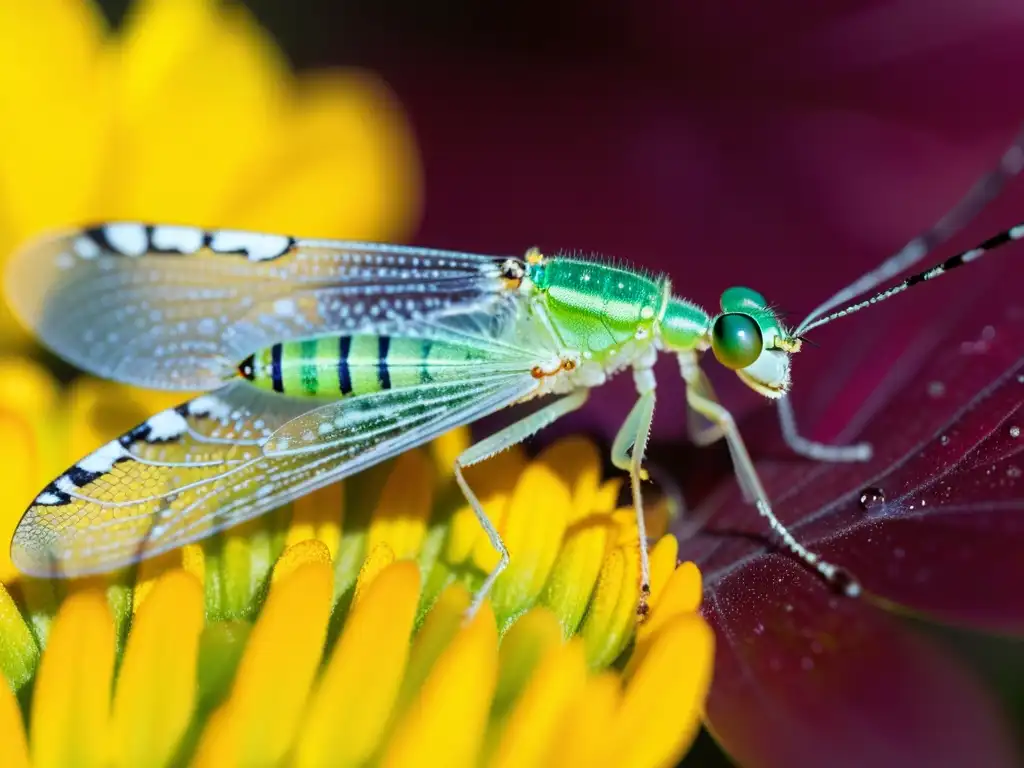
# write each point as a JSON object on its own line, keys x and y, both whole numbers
{"x": 736, "y": 340}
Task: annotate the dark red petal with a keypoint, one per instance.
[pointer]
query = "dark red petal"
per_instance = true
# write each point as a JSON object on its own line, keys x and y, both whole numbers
{"x": 803, "y": 678}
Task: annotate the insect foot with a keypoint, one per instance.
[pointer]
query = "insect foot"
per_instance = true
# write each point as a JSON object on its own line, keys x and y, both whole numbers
{"x": 643, "y": 608}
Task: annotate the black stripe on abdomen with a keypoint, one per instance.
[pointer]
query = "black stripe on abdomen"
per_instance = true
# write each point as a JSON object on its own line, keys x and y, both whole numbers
{"x": 344, "y": 375}
{"x": 275, "y": 368}
{"x": 383, "y": 374}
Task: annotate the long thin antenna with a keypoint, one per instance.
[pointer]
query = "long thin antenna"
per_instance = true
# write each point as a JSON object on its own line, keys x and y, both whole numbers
{"x": 984, "y": 191}
{"x": 1004, "y": 237}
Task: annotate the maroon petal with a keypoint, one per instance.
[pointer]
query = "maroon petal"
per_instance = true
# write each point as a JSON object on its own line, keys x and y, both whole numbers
{"x": 803, "y": 678}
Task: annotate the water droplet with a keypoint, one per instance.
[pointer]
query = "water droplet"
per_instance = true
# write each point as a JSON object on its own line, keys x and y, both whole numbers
{"x": 871, "y": 497}
{"x": 1014, "y": 431}
{"x": 1014, "y": 471}
{"x": 944, "y": 440}
{"x": 936, "y": 389}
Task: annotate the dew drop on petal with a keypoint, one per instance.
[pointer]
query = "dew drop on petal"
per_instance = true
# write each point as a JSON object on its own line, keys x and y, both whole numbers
{"x": 871, "y": 497}
{"x": 936, "y": 389}
{"x": 1014, "y": 431}
{"x": 944, "y": 440}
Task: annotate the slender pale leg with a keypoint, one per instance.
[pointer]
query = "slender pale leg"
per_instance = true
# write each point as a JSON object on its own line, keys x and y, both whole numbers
{"x": 750, "y": 483}
{"x": 813, "y": 449}
{"x": 496, "y": 443}
{"x": 628, "y": 454}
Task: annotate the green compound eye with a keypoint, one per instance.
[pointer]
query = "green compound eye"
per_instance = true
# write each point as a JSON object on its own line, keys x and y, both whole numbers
{"x": 736, "y": 340}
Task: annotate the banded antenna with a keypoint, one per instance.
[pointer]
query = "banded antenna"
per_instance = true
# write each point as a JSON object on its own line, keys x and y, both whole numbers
{"x": 966, "y": 257}
{"x": 981, "y": 194}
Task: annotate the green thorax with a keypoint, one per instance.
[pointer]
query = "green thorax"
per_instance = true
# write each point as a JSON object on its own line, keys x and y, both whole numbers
{"x": 595, "y": 307}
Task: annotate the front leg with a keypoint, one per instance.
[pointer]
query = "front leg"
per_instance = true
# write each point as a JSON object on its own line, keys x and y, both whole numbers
{"x": 812, "y": 449}
{"x": 750, "y": 483}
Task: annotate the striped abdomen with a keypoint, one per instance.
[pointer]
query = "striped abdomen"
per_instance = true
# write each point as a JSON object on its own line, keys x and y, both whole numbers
{"x": 335, "y": 366}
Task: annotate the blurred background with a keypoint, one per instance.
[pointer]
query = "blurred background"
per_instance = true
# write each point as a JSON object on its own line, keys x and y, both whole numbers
{"x": 788, "y": 146}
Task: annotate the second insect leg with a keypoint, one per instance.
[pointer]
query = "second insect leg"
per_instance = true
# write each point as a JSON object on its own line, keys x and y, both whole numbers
{"x": 496, "y": 443}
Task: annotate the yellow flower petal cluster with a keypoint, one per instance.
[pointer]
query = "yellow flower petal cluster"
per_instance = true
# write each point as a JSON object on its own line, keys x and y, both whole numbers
{"x": 189, "y": 114}
{"x": 331, "y": 631}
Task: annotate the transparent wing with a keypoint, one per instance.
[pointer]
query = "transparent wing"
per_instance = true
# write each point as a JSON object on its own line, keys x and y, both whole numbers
{"x": 229, "y": 456}
{"x": 170, "y": 307}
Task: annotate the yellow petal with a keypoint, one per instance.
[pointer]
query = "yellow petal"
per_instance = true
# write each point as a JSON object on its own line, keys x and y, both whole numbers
{"x": 587, "y": 724}
{"x": 576, "y": 461}
{"x": 441, "y": 625}
{"x": 380, "y": 558}
{"x": 318, "y": 515}
{"x": 276, "y": 671}
{"x": 30, "y": 455}
{"x": 400, "y": 518}
{"x": 611, "y": 617}
{"x": 677, "y": 668}
{"x": 534, "y": 634}
{"x": 445, "y": 449}
{"x": 349, "y": 711}
{"x": 238, "y": 568}
{"x": 156, "y": 686}
{"x": 100, "y": 411}
{"x": 447, "y": 718}
{"x": 297, "y": 555}
{"x": 499, "y": 474}
{"x": 663, "y": 557}
{"x": 199, "y": 90}
{"x": 343, "y": 165}
{"x": 681, "y": 595}
{"x": 533, "y": 726}
{"x": 151, "y": 569}
{"x": 218, "y": 746}
{"x": 533, "y": 528}
{"x": 12, "y": 731}
{"x": 53, "y": 114}
{"x": 71, "y": 698}
{"x": 466, "y": 539}
{"x": 19, "y": 653}
{"x": 575, "y": 572}
{"x": 19, "y": 460}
